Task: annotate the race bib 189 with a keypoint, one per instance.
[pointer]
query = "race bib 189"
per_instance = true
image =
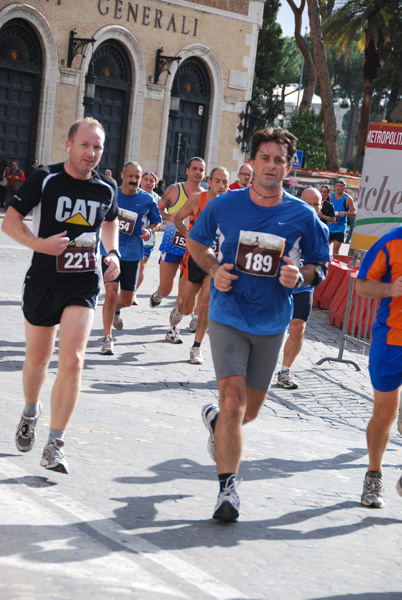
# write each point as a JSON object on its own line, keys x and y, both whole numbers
{"x": 259, "y": 253}
{"x": 76, "y": 259}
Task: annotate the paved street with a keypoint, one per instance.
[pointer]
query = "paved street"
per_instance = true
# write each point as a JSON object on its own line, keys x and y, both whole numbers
{"x": 133, "y": 517}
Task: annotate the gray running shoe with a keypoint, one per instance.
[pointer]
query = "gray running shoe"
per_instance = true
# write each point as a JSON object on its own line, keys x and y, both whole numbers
{"x": 155, "y": 300}
{"x": 209, "y": 412}
{"x": 173, "y": 336}
{"x": 228, "y": 504}
{"x": 285, "y": 380}
{"x": 400, "y": 421}
{"x": 108, "y": 345}
{"x": 53, "y": 457}
{"x": 193, "y": 325}
{"x": 399, "y": 486}
{"x": 25, "y": 436}
{"x": 118, "y": 321}
{"x": 373, "y": 490}
{"x": 175, "y": 316}
{"x": 196, "y": 356}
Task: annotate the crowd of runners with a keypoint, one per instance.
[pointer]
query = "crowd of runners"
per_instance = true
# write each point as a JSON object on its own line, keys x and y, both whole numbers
{"x": 249, "y": 259}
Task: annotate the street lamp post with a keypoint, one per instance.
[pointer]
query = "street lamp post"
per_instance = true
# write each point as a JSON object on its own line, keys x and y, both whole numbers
{"x": 90, "y": 82}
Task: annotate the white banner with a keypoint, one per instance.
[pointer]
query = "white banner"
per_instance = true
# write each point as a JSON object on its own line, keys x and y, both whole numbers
{"x": 379, "y": 208}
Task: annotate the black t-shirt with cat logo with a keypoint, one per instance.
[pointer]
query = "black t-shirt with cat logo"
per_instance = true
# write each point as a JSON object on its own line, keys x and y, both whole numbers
{"x": 60, "y": 203}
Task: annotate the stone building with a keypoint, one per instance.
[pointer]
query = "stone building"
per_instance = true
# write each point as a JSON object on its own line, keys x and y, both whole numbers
{"x": 167, "y": 79}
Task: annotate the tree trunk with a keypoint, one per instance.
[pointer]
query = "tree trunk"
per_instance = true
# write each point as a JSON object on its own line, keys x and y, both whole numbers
{"x": 309, "y": 88}
{"x": 364, "y": 122}
{"x": 352, "y": 128}
{"x": 327, "y": 102}
{"x": 370, "y": 69}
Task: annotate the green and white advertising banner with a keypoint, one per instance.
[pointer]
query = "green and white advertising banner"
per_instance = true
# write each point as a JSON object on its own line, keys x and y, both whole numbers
{"x": 379, "y": 207}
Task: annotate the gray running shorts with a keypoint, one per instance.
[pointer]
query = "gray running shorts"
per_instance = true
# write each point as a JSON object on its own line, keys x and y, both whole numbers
{"x": 236, "y": 352}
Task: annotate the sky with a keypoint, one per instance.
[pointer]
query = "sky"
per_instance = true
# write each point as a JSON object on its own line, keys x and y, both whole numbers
{"x": 287, "y": 21}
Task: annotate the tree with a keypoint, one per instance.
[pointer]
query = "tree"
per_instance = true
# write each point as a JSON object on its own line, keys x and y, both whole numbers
{"x": 370, "y": 19}
{"x": 387, "y": 87}
{"x": 289, "y": 66}
{"x": 347, "y": 81}
{"x": 311, "y": 83}
{"x": 321, "y": 64}
{"x": 265, "y": 105}
{"x": 308, "y": 128}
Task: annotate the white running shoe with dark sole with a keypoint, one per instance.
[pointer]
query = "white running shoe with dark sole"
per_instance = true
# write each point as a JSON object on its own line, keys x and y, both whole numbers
{"x": 173, "y": 336}
{"x": 209, "y": 412}
{"x": 53, "y": 457}
{"x": 25, "y": 436}
{"x": 228, "y": 504}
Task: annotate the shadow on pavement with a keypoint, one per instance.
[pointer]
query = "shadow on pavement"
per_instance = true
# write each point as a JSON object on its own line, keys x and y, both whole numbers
{"x": 364, "y": 596}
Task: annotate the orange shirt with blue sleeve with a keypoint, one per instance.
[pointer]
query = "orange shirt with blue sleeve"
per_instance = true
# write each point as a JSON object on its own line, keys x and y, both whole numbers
{"x": 383, "y": 262}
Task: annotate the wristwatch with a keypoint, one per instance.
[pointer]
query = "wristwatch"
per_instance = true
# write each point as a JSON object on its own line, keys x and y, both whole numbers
{"x": 300, "y": 281}
{"x": 116, "y": 252}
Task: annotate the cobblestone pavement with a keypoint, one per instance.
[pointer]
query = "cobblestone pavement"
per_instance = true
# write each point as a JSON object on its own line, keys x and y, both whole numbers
{"x": 133, "y": 517}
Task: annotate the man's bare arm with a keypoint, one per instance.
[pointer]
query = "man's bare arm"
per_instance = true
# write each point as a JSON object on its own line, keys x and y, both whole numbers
{"x": 371, "y": 288}
{"x": 110, "y": 240}
{"x": 187, "y": 210}
{"x": 169, "y": 197}
{"x": 326, "y": 218}
{"x": 205, "y": 257}
{"x": 351, "y": 207}
{"x": 14, "y": 226}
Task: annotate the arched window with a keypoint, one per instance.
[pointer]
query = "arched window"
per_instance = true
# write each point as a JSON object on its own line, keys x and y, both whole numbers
{"x": 20, "y": 81}
{"x": 188, "y": 125}
{"x": 112, "y": 98}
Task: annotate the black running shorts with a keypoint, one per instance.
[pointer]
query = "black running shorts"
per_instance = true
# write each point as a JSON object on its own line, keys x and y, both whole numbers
{"x": 128, "y": 274}
{"x": 43, "y": 307}
{"x": 302, "y": 305}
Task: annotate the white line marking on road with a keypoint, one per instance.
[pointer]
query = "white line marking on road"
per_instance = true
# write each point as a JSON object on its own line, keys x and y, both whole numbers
{"x": 78, "y": 512}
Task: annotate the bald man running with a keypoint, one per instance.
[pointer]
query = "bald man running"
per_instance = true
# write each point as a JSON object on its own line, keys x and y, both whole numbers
{"x": 302, "y": 303}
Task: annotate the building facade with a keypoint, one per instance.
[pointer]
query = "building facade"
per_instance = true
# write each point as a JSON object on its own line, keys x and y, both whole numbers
{"x": 167, "y": 79}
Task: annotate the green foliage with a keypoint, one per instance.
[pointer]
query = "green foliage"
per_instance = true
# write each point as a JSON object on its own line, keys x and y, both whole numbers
{"x": 289, "y": 65}
{"x": 358, "y": 19}
{"x": 388, "y": 84}
{"x": 346, "y": 72}
{"x": 309, "y": 129}
{"x": 265, "y": 105}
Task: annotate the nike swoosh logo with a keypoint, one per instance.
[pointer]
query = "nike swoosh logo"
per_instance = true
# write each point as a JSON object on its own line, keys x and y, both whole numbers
{"x": 281, "y": 223}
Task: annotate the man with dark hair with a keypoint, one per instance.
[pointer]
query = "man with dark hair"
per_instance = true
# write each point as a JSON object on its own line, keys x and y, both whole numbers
{"x": 71, "y": 202}
{"x": 262, "y": 233}
{"x": 139, "y": 217}
{"x": 380, "y": 277}
{"x": 148, "y": 184}
{"x": 343, "y": 207}
{"x": 194, "y": 282}
{"x": 245, "y": 175}
{"x": 173, "y": 245}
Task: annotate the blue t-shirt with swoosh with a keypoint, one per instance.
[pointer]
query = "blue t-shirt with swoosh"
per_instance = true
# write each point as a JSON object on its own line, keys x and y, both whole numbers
{"x": 254, "y": 238}
{"x": 141, "y": 208}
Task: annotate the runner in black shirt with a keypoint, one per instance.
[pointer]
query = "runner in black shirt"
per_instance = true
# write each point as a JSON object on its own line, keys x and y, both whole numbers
{"x": 71, "y": 202}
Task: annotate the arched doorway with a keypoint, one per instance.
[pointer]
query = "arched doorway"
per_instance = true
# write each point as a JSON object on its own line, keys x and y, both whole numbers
{"x": 20, "y": 81}
{"x": 187, "y": 126}
{"x": 112, "y": 97}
